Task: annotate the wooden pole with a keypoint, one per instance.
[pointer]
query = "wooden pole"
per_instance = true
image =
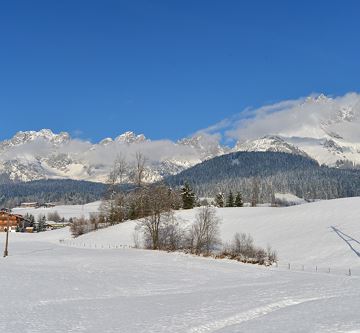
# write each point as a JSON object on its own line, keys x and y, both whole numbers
{"x": 6, "y": 252}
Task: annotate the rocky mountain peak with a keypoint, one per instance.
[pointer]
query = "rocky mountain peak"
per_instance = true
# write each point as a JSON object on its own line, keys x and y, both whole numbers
{"x": 130, "y": 137}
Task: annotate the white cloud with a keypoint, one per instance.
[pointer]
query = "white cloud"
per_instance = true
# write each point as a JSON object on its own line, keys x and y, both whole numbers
{"x": 304, "y": 117}
{"x": 96, "y": 154}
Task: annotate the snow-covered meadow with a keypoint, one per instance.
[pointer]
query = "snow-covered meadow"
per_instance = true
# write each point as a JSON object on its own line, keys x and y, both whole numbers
{"x": 66, "y": 211}
{"x": 48, "y": 286}
{"x": 324, "y": 233}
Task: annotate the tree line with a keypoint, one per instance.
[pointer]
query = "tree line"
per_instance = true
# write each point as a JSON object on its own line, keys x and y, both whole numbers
{"x": 260, "y": 175}
{"x": 61, "y": 191}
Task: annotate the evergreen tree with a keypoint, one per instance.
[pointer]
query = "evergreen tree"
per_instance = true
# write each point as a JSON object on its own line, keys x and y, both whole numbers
{"x": 230, "y": 200}
{"x": 30, "y": 218}
{"x": 188, "y": 197}
{"x": 219, "y": 200}
{"x": 41, "y": 223}
{"x": 238, "y": 200}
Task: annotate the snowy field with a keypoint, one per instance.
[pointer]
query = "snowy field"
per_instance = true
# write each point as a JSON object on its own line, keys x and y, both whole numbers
{"x": 323, "y": 234}
{"x": 51, "y": 288}
{"x": 64, "y": 211}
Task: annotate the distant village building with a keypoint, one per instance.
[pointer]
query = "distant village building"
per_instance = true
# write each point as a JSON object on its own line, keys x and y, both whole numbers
{"x": 29, "y": 205}
{"x": 56, "y": 225}
{"x": 48, "y": 205}
{"x": 16, "y": 222}
{"x": 29, "y": 230}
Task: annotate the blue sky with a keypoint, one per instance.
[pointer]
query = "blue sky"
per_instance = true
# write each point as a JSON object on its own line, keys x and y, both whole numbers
{"x": 167, "y": 68}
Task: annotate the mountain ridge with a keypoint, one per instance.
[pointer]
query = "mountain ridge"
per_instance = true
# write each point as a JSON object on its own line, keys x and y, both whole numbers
{"x": 322, "y": 128}
{"x": 35, "y": 155}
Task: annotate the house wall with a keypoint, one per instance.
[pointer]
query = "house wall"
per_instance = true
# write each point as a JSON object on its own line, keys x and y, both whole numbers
{"x": 14, "y": 221}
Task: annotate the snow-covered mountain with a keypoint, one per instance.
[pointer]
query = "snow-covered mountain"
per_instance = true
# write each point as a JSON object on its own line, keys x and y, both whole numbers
{"x": 323, "y": 128}
{"x": 208, "y": 146}
{"x": 38, "y": 155}
{"x": 271, "y": 143}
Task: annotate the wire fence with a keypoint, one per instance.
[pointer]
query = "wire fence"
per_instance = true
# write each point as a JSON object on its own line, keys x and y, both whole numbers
{"x": 318, "y": 269}
{"x": 93, "y": 245}
{"x": 321, "y": 269}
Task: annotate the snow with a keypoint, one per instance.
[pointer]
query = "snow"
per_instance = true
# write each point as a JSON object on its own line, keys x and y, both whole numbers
{"x": 324, "y": 233}
{"x": 289, "y": 198}
{"x": 306, "y": 127}
{"x": 47, "y": 287}
{"x": 65, "y": 211}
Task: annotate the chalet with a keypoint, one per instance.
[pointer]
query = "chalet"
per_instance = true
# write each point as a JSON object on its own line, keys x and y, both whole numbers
{"x": 48, "y": 205}
{"x": 16, "y": 222}
{"x": 56, "y": 225}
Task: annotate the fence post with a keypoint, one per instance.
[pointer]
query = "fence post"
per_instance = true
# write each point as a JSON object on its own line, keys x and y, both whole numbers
{"x": 329, "y": 270}
{"x": 303, "y": 268}
{"x": 289, "y": 265}
{"x": 316, "y": 269}
{"x": 349, "y": 272}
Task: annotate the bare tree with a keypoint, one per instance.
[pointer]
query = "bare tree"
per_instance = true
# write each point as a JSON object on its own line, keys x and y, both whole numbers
{"x": 204, "y": 234}
{"x": 119, "y": 170}
{"x": 80, "y": 226}
{"x": 158, "y": 211}
{"x": 54, "y": 216}
{"x": 243, "y": 245}
{"x": 243, "y": 248}
{"x": 114, "y": 210}
{"x": 117, "y": 175}
{"x": 139, "y": 170}
{"x": 172, "y": 234}
{"x": 255, "y": 192}
{"x": 271, "y": 254}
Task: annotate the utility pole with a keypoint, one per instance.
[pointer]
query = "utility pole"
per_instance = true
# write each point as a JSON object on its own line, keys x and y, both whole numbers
{"x": 6, "y": 253}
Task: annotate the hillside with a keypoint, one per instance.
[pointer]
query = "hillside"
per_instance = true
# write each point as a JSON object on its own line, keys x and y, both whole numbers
{"x": 273, "y": 172}
{"x": 151, "y": 291}
{"x": 324, "y": 233}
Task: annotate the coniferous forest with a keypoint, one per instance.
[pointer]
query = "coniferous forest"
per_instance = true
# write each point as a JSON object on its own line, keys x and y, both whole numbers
{"x": 62, "y": 191}
{"x": 267, "y": 173}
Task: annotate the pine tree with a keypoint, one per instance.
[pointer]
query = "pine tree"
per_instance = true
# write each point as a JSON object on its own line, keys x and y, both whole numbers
{"x": 30, "y": 218}
{"x": 230, "y": 200}
{"x": 41, "y": 223}
{"x": 238, "y": 200}
{"x": 219, "y": 200}
{"x": 188, "y": 197}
